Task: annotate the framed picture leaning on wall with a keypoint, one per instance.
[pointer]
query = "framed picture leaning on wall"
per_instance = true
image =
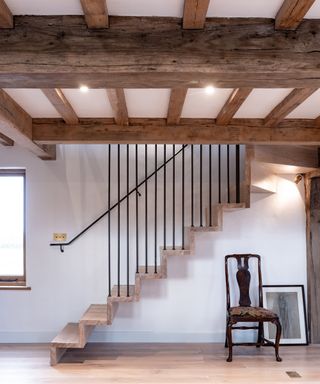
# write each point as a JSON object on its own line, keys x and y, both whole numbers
{"x": 288, "y": 302}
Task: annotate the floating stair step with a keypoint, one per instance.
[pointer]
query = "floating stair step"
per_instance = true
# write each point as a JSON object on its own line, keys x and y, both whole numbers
{"x": 69, "y": 337}
{"x": 151, "y": 272}
{"x": 123, "y": 293}
{"x": 232, "y": 206}
{"x": 176, "y": 252}
{"x": 96, "y": 314}
{"x": 204, "y": 229}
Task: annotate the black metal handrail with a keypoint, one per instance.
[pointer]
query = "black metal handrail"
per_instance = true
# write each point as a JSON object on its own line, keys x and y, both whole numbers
{"x": 124, "y": 198}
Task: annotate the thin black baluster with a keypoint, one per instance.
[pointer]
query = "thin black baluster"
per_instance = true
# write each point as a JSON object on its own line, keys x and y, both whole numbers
{"x": 155, "y": 205}
{"x": 210, "y": 185}
{"x": 228, "y": 172}
{"x": 192, "y": 213}
{"x": 237, "y": 173}
{"x": 219, "y": 172}
{"x": 146, "y": 206}
{"x": 137, "y": 213}
{"x": 182, "y": 201}
{"x": 173, "y": 196}
{"x": 164, "y": 197}
{"x": 128, "y": 219}
{"x": 119, "y": 206}
{"x": 109, "y": 229}
{"x": 200, "y": 185}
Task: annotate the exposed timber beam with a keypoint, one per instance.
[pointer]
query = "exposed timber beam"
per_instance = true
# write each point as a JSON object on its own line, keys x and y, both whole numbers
{"x": 237, "y": 97}
{"x": 291, "y": 13}
{"x": 194, "y": 13}
{"x": 61, "y": 104}
{"x": 153, "y": 53}
{"x": 6, "y": 141}
{"x": 177, "y": 98}
{"x": 189, "y": 131}
{"x": 6, "y": 18}
{"x": 16, "y": 124}
{"x": 95, "y": 13}
{"x": 119, "y": 106}
{"x": 298, "y": 156}
{"x": 292, "y": 101}
{"x": 317, "y": 121}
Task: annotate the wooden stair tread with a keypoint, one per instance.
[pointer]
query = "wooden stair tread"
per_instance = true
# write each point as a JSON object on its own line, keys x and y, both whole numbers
{"x": 123, "y": 291}
{"x": 96, "y": 314}
{"x": 227, "y": 206}
{"x": 151, "y": 274}
{"x": 176, "y": 252}
{"x": 205, "y": 229}
{"x": 68, "y": 337}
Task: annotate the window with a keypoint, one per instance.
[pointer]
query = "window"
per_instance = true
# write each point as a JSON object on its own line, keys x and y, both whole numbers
{"x": 12, "y": 227}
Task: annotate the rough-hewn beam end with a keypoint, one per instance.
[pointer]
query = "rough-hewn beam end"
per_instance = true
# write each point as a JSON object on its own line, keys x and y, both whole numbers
{"x": 6, "y": 18}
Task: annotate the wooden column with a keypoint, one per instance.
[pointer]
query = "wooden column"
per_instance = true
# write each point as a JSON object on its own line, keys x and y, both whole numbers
{"x": 313, "y": 256}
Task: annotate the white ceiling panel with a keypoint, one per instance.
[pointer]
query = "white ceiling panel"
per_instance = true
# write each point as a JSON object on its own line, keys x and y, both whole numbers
{"x": 45, "y": 7}
{"x": 199, "y": 104}
{"x": 261, "y": 101}
{"x": 314, "y": 11}
{"x": 147, "y": 102}
{"x": 244, "y": 8}
{"x": 34, "y": 102}
{"x": 173, "y": 8}
{"x": 309, "y": 109}
{"x": 93, "y": 103}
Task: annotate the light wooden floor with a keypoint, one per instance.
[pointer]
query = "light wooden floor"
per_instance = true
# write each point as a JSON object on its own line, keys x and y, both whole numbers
{"x": 158, "y": 363}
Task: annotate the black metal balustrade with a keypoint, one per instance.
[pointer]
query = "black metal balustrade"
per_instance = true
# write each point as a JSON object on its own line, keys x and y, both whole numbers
{"x": 201, "y": 176}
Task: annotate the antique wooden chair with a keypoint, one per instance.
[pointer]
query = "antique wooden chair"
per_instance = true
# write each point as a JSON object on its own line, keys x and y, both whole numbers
{"x": 245, "y": 312}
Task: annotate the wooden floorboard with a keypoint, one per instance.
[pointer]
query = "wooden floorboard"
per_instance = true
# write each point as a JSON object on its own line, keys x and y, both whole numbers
{"x": 158, "y": 363}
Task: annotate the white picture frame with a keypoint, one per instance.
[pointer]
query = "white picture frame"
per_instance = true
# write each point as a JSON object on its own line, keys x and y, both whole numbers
{"x": 288, "y": 302}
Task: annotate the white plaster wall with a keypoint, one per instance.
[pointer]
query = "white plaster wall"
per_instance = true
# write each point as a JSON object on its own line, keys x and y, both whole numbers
{"x": 188, "y": 306}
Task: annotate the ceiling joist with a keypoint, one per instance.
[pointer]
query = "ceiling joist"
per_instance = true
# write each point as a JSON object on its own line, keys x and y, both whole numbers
{"x": 95, "y": 13}
{"x": 61, "y": 104}
{"x": 291, "y": 13}
{"x": 194, "y": 13}
{"x": 6, "y": 18}
{"x": 236, "y": 99}
{"x": 153, "y": 53}
{"x": 189, "y": 131}
{"x": 176, "y": 102}
{"x": 16, "y": 124}
{"x": 5, "y": 141}
{"x": 119, "y": 106}
{"x": 291, "y": 102}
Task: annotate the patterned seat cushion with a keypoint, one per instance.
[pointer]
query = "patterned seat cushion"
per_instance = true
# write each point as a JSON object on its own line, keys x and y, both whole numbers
{"x": 253, "y": 312}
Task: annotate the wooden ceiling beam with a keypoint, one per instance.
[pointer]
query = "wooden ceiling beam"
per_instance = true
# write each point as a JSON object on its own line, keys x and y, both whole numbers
{"x": 153, "y": 53}
{"x": 95, "y": 13}
{"x": 232, "y": 105}
{"x": 176, "y": 102}
{"x": 291, "y": 102}
{"x": 188, "y": 131}
{"x": 119, "y": 106}
{"x": 6, "y": 141}
{"x": 291, "y": 13}
{"x": 194, "y": 13}
{"x": 16, "y": 124}
{"x": 61, "y": 104}
{"x": 6, "y": 18}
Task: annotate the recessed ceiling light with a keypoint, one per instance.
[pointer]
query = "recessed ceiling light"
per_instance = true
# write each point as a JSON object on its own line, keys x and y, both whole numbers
{"x": 209, "y": 90}
{"x": 84, "y": 88}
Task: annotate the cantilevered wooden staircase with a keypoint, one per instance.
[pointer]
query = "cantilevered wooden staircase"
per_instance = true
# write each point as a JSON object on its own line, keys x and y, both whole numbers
{"x": 75, "y": 335}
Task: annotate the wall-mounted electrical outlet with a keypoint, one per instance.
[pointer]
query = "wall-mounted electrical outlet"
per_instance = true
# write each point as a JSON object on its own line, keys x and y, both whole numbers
{"x": 59, "y": 237}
